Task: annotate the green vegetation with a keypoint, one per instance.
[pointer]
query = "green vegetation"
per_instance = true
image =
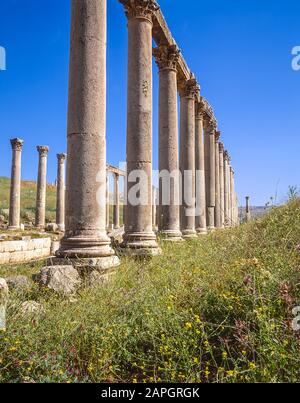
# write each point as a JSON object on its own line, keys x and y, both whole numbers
{"x": 218, "y": 309}
{"x": 28, "y": 197}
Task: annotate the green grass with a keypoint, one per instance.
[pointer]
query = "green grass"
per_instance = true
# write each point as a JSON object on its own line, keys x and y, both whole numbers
{"x": 28, "y": 198}
{"x": 216, "y": 309}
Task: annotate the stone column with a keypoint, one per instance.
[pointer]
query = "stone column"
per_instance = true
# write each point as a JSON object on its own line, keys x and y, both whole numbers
{"x": 15, "y": 185}
{"x": 226, "y": 188}
{"x": 187, "y": 156}
{"x": 107, "y": 202}
{"x": 40, "y": 211}
{"x": 222, "y": 193}
{"x": 169, "y": 206}
{"x": 139, "y": 238}
{"x": 200, "y": 174}
{"x": 86, "y": 242}
{"x": 154, "y": 208}
{"x": 60, "y": 192}
{"x": 210, "y": 171}
{"x": 116, "y": 202}
{"x": 232, "y": 187}
{"x": 217, "y": 191}
{"x": 230, "y": 196}
{"x": 248, "y": 211}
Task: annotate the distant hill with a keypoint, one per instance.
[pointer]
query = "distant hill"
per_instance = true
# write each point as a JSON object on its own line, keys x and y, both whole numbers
{"x": 256, "y": 211}
{"x": 28, "y": 198}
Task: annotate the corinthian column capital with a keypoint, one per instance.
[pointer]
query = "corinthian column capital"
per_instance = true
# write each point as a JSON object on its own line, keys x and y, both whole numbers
{"x": 221, "y": 147}
{"x": 166, "y": 57}
{"x": 190, "y": 88}
{"x": 17, "y": 144}
{"x": 218, "y": 136}
{"x": 43, "y": 150}
{"x": 140, "y": 8}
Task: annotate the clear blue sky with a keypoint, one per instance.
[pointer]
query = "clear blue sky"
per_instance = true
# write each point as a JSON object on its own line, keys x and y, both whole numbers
{"x": 240, "y": 51}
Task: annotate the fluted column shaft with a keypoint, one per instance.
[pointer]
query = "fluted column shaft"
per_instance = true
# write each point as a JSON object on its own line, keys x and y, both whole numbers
{"x": 187, "y": 157}
{"x": 169, "y": 206}
{"x": 222, "y": 193}
{"x": 210, "y": 172}
{"x": 15, "y": 185}
{"x": 40, "y": 211}
{"x": 116, "y": 201}
{"x": 139, "y": 237}
{"x": 217, "y": 184}
{"x": 85, "y": 235}
{"x": 201, "y": 227}
{"x": 60, "y": 192}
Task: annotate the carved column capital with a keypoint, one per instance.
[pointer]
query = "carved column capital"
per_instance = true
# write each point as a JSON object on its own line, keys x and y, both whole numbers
{"x": 200, "y": 111}
{"x": 217, "y": 135}
{"x": 166, "y": 57}
{"x": 17, "y": 144}
{"x": 210, "y": 125}
{"x": 61, "y": 157}
{"x": 190, "y": 89}
{"x": 43, "y": 150}
{"x": 140, "y": 8}
{"x": 221, "y": 147}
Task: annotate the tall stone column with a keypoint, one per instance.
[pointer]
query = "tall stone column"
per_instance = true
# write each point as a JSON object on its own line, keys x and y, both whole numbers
{"x": 60, "y": 192}
{"x": 107, "y": 202}
{"x": 15, "y": 185}
{"x": 248, "y": 211}
{"x": 40, "y": 211}
{"x": 169, "y": 206}
{"x": 201, "y": 227}
{"x": 154, "y": 208}
{"x": 210, "y": 171}
{"x": 86, "y": 242}
{"x": 222, "y": 193}
{"x": 217, "y": 191}
{"x": 232, "y": 187}
{"x": 226, "y": 188}
{"x": 230, "y": 197}
{"x": 116, "y": 201}
{"x": 187, "y": 157}
{"x": 139, "y": 238}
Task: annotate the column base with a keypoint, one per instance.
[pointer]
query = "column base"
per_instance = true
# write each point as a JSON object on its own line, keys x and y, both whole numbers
{"x": 189, "y": 234}
{"x": 140, "y": 244}
{"x": 11, "y": 228}
{"x": 61, "y": 227}
{"x": 171, "y": 236}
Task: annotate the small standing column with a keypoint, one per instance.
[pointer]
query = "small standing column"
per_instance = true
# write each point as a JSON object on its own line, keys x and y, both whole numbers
{"x": 60, "y": 192}
{"x": 248, "y": 211}
{"x": 15, "y": 185}
{"x": 226, "y": 188}
{"x": 201, "y": 227}
{"x": 139, "y": 238}
{"x": 187, "y": 156}
{"x": 40, "y": 212}
{"x": 210, "y": 171}
{"x": 217, "y": 170}
{"x": 169, "y": 210}
{"x": 86, "y": 242}
{"x": 222, "y": 193}
{"x": 116, "y": 201}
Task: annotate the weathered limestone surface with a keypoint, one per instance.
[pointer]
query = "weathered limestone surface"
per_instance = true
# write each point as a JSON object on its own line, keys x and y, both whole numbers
{"x": 222, "y": 192}
{"x": 116, "y": 201}
{"x": 4, "y": 293}
{"x": 217, "y": 191}
{"x": 226, "y": 187}
{"x": 139, "y": 237}
{"x": 24, "y": 251}
{"x": 169, "y": 206}
{"x": 60, "y": 196}
{"x": 85, "y": 233}
{"x": 187, "y": 157}
{"x": 40, "y": 213}
{"x": 61, "y": 279}
{"x": 210, "y": 171}
{"x": 15, "y": 187}
{"x": 201, "y": 227}
{"x": 248, "y": 211}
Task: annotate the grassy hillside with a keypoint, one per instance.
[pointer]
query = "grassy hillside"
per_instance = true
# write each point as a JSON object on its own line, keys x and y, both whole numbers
{"x": 218, "y": 309}
{"x": 28, "y": 197}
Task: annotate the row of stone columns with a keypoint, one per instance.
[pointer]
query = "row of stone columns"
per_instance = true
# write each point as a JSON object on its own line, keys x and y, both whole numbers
{"x": 15, "y": 189}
